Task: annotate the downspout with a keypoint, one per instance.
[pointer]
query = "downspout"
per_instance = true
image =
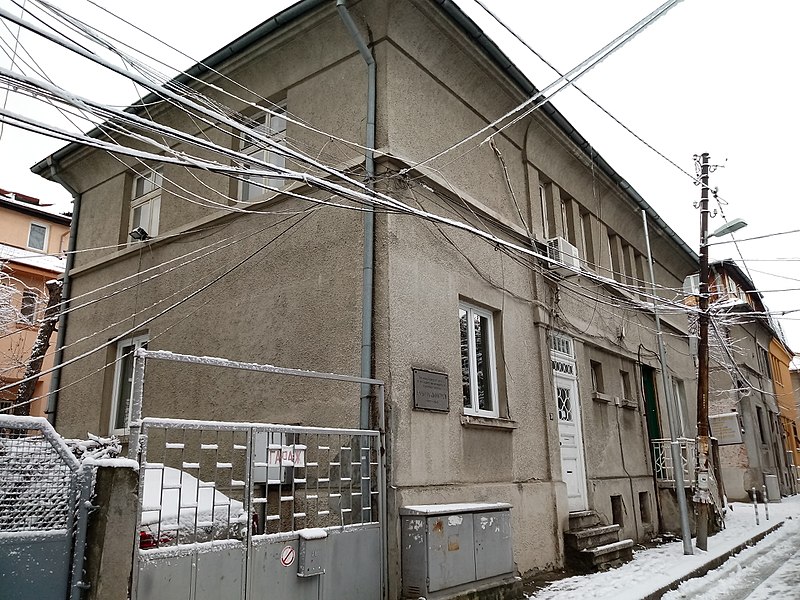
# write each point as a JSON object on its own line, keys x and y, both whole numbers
{"x": 55, "y": 382}
{"x": 369, "y": 215}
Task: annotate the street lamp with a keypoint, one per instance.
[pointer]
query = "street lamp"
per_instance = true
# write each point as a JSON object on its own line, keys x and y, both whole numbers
{"x": 703, "y": 494}
{"x": 729, "y": 227}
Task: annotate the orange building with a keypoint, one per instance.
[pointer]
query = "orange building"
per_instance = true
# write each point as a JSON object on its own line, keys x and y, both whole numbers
{"x": 32, "y": 245}
{"x": 780, "y": 361}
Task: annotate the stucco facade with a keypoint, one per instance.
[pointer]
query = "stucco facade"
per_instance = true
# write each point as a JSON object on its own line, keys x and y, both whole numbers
{"x": 32, "y": 243}
{"x": 780, "y": 360}
{"x": 741, "y": 381}
{"x": 282, "y": 283}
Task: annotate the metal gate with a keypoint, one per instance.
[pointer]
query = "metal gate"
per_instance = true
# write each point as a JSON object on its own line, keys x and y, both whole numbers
{"x": 44, "y": 497}
{"x": 257, "y": 511}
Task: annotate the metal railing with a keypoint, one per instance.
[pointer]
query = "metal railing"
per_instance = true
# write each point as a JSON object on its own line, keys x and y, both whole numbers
{"x": 44, "y": 494}
{"x": 210, "y": 481}
{"x": 664, "y": 467}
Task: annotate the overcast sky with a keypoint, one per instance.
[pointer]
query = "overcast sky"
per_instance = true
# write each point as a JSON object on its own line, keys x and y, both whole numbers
{"x": 711, "y": 76}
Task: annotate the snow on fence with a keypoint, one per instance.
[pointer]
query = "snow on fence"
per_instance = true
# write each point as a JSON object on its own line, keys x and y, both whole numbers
{"x": 208, "y": 482}
{"x": 37, "y": 472}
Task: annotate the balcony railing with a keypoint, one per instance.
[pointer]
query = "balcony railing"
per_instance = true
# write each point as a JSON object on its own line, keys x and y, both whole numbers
{"x": 664, "y": 467}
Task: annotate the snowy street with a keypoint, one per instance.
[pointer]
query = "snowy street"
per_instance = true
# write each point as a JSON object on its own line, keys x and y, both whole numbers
{"x": 769, "y": 569}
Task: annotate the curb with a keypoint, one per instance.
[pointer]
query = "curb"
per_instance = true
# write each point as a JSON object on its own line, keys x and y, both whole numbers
{"x": 712, "y": 564}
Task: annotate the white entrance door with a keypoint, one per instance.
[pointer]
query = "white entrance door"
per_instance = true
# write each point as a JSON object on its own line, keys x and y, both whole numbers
{"x": 570, "y": 440}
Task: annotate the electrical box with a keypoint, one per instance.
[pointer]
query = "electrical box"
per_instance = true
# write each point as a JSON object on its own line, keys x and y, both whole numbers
{"x": 310, "y": 555}
{"x": 447, "y": 545}
{"x": 773, "y": 490}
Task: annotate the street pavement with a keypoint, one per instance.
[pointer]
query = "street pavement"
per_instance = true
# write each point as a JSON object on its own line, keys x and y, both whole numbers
{"x": 748, "y": 560}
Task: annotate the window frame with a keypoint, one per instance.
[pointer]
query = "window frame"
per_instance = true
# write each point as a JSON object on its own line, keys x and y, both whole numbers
{"x": 139, "y": 341}
{"x": 679, "y": 398}
{"x": 596, "y": 372}
{"x": 45, "y": 238}
{"x": 150, "y": 196}
{"x": 264, "y": 123}
{"x": 473, "y": 409}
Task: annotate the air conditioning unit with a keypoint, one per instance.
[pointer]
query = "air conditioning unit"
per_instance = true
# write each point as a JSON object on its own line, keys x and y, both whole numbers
{"x": 566, "y": 254}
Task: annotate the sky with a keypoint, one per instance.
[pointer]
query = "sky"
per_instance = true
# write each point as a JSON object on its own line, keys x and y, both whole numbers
{"x": 710, "y": 76}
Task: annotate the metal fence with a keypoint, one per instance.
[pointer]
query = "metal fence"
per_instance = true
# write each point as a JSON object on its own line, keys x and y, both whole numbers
{"x": 229, "y": 510}
{"x": 44, "y": 494}
{"x": 663, "y": 464}
{"x": 209, "y": 481}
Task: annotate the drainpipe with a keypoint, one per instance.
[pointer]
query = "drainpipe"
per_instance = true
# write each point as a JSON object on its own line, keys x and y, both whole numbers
{"x": 55, "y": 383}
{"x": 369, "y": 215}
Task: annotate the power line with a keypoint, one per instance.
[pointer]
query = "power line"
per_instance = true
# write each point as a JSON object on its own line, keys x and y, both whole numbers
{"x": 152, "y": 318}
{"x": 540, "y": 98}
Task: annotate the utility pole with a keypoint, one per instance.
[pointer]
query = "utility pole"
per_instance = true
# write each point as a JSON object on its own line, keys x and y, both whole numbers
{"x": 702, "y": 495}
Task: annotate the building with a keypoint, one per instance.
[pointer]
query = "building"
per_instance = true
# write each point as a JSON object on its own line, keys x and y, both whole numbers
{"x": 780, "y": 357}
{"x": 537, "y": 332}
{"x": 32, "y": 246}
{"x": 741, "y": 381}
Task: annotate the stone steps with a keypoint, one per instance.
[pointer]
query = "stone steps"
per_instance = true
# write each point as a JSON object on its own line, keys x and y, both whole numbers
{"x": 591, "y": 537}
{"x": 593, "y": 546}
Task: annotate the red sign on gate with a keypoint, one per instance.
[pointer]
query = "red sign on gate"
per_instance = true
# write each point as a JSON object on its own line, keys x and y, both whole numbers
{"x": 287, "y": 556}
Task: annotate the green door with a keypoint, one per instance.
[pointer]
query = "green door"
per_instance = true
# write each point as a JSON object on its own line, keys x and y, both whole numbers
{"x": 651, "y": 409}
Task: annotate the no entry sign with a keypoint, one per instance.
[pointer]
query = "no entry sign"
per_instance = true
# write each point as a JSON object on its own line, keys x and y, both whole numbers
{"x": 287, "y": 556}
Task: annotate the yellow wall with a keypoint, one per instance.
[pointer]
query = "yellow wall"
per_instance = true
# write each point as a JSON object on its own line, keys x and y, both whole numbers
{"x": 784, "y": 394}
{"x": 15, "y": 348}
{"x": 14, "y": 227}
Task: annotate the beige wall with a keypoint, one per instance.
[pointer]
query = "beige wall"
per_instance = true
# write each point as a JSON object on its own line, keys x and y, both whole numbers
{"x": 15, "y": 226}
{"x": 297, "y": 301}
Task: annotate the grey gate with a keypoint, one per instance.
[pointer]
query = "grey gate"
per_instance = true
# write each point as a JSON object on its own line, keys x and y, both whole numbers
{"x": 257, "y": 511}
{"x": 44, "y": 496}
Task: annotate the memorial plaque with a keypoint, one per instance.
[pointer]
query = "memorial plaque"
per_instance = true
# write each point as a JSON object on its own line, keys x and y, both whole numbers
{"x": 431, "y": 391}
{"x": 726, "y": 428}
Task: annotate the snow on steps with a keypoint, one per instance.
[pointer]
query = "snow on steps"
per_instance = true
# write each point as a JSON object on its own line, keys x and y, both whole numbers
{"x": 592, "y": 537}
{"x": 592, "y": 546}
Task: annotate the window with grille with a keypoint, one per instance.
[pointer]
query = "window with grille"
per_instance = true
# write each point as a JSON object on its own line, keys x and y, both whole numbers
{"x": 28, "y": 309}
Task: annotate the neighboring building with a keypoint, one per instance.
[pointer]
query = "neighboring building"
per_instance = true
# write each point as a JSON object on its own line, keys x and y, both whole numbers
{"x": 741, "y": 381}
{"x": 551, "y": 377}
{"x": 32, "y": 246}
{"x": 795, "y": 383}
{"x": 780, "y": 360}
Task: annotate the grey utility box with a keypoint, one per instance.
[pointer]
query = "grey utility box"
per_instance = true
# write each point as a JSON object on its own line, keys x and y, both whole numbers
{"x": 449, "y": 545}
{"x": 773, "y": 489}
{"x": 310, "y": 555}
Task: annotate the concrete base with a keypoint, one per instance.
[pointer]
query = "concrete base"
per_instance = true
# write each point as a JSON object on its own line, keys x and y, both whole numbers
{"x": 506, "y": 588}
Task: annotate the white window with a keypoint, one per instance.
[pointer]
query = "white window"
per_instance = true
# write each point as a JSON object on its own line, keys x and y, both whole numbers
{"x": 478, "y": 363}
{"x": 271, "y": 125}
{"x": 545, "y": 212}
{"x": 146, "y": 202}
{"x": 123, "y": 383}
{"x": 37, "y": 237}
{"x": 679, "y": 395}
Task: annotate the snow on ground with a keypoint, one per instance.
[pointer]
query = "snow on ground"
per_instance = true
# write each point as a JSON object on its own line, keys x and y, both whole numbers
{"x": 653, "y": 568}
{"x": 769, "y": 569}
